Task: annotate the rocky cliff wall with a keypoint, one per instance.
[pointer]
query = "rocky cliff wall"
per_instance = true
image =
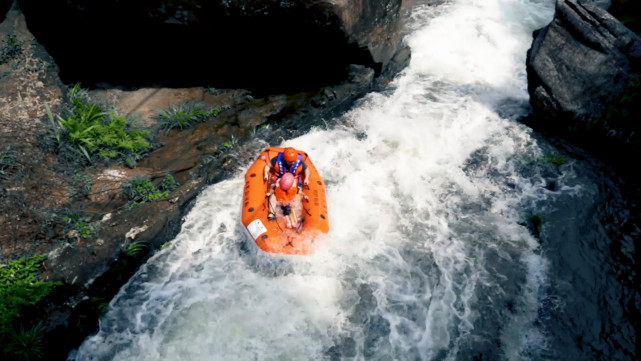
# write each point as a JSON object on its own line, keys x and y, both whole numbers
{"x": 583, "y": 78}
{"x": 265, "y": 46}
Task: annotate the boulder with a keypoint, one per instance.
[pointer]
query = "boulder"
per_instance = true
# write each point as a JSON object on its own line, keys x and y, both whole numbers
{"x": 583, "y": 77}
{"x": 265, "y": 46}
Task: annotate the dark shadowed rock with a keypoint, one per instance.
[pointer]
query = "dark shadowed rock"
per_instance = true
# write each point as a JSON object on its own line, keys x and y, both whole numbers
{"x": 4, "y": 7}
{"x": 583, "y": 79}
{"x": 265, "y": 46}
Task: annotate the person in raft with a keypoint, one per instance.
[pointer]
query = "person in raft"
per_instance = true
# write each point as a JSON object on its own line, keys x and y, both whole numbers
{"x": 287, "y": 199}
{"x": 287, "y": 161}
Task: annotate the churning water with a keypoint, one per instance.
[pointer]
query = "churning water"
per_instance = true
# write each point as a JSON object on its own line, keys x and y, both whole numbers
{"x": 430, "y": 256}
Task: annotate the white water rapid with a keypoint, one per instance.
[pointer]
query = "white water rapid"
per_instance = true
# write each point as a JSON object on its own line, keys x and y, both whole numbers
{"x": 427, "y": 257}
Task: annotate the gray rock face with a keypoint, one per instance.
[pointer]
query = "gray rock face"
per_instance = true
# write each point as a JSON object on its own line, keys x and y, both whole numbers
{"x": 581, "y": 61}
{"x": 603, "y": 4}
{"x": 377, "y": 25}
{"x": 582, "y": 69}
{"x": 266, "y": 46}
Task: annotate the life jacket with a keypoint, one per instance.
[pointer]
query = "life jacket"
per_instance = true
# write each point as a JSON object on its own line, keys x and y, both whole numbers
{"x": 285, "y": 197}
{"x": 280, "y": 161}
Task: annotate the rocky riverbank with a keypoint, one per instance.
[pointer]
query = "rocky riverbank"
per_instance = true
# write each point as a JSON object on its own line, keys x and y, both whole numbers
{"x": 78, "y": 208}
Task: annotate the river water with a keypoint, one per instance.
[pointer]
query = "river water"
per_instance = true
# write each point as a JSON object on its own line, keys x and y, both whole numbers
{"x": 434, "y": 192}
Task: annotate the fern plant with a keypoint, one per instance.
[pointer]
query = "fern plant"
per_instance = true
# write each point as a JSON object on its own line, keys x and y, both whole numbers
{"x": 19, "y": 288}
{"x": 142, "y": 190}
{"x": 93, "y": 133}
{"x": 135, "y": 249}
{"x": 86, "y": 127}
{"x": 185, "y": 114}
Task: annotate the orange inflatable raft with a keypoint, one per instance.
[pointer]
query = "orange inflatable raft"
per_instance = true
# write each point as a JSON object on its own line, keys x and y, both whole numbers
{"x": 273, "y": 235}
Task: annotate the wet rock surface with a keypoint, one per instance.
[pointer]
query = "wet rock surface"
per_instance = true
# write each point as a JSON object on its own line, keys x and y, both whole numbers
{"x": 583, "y": 79}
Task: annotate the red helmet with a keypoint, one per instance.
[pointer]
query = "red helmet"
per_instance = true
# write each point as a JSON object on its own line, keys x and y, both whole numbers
{"x": 286, "y": 181}
{"x": 290, "y": 155}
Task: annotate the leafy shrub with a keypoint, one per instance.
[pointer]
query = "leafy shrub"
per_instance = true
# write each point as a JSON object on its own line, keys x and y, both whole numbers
{"x": 142, "y": 190}
{"x": 231, "y": 143}
{"x": 185, "y": 114}
{"x": 96, "y": 134}
{"x": 81, "y": 225}
{"x": 19, "y": 288}
{"x": 86, "y": 127}
{"x": 169, "y": 183}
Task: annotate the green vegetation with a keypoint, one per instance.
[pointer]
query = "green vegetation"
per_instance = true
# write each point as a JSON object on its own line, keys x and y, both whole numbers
{"x": 82, "y": 182}
{"x": 19, "y": 288}
{"x": 7, "y": 161}
{"x": 85, "y": 127}
{"x": 232, "y": 142}
{"x": 102, "y": 306}
{"x": 554, "y": 158}
{"x": 135, "y": 249}
{"x": 11, "y": 48}
{"x": 96, "y": 134}
{"x": 142, "y": 190}
{"x": 169, "y": 183}
{"x": 26, "y": 344}
{"x": 81, "y": 225}
{"x": 253, "y": 132}
{"x": 185, "y": 114}
{"x": 55, "y": 127}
